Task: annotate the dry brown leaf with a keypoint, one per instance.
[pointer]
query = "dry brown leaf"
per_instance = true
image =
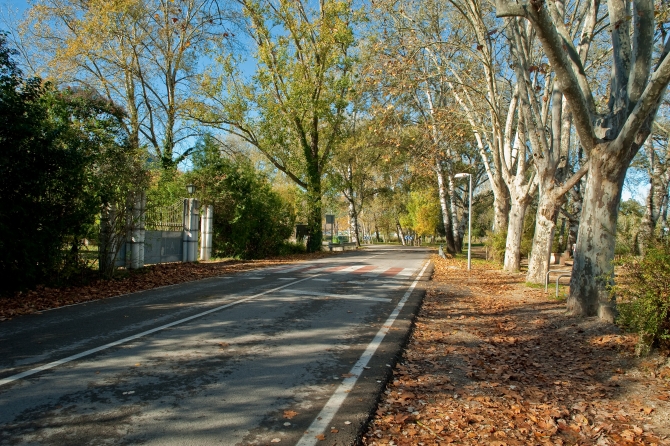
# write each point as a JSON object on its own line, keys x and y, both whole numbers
{"x": 289, "y": 414}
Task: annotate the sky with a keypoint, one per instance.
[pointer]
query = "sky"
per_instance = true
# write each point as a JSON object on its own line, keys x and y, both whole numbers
{"x": 12, "y": 9}
{"x": 17, "y": 5}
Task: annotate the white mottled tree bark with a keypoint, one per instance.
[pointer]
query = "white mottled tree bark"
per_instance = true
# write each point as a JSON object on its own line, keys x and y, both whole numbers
{"x": 611, "y": 139}
{"x": 543, "y": 111}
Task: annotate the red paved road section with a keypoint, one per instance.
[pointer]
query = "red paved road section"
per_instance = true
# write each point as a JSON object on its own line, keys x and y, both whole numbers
{"x": 336, "y": 268}
{"x": 392, "y": 271}
{"x": 364, "y": 269}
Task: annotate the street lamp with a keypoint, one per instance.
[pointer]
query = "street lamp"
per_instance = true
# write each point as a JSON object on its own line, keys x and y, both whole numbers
{"x": 190, "y": 188}
{"x": 463, "y": 175}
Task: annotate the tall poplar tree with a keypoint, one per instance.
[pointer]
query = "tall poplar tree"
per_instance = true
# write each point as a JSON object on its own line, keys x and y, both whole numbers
{"x": 293, "y": 108}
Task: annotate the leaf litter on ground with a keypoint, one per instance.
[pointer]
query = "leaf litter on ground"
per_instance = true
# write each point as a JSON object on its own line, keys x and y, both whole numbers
{"x": 494, "y": 362}
{"x": 153, "y": 276}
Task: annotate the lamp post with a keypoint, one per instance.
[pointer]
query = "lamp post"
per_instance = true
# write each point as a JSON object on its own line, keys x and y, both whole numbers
{"x": 190, "y": 188}
{"x": 463, "y": 175}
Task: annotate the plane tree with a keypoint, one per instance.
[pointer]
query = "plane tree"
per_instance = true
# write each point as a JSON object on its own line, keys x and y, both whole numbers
{"x": 611, "y": 135}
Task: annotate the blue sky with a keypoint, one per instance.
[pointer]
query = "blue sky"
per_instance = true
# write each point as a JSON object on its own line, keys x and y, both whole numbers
{"x": 9, "y": 9}
{"x": 19, "y": 5}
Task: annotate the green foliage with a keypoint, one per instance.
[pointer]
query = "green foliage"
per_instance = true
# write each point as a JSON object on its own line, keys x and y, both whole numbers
{"x": 168, "y": 186}
{"x": 290, "y": 248}
{"x": 628, "y": 227}
{"x": 61, "y": 152}
{"x": 496, "y": 242}
{"x": 482, "y": 214}
{"x": 293, "y": 108}
{"x": 251, "y": 220}
{"x": 642, "y": 292}
{"x": 423, "y": 212}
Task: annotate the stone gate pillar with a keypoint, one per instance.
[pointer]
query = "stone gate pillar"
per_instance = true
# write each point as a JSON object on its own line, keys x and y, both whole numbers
{"x": 206, "y": 225}
{"x": 190, "y": 232}
{"x": 136, "y": 231}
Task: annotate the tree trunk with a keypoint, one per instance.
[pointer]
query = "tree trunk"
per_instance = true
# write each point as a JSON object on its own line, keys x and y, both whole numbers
{"x": 446, "y": 217}
{"x": 353, "y": 223}
{"x": 401, "y": 235}
{"x": 545, "y": 218}
{"x": 462, "y": 224}
{"x": 592, "y": 268}
{"x": 314, "y": 214}
{"x": 458, "y": 241}
{"x": 655, "y": 198}
{"x": 501, "y": 209}
{"x": 577, "y": 203}
{"x": 514, "y": 235}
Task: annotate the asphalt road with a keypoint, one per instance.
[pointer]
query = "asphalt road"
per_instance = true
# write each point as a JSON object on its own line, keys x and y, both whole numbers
{"x": 285, "y": 353}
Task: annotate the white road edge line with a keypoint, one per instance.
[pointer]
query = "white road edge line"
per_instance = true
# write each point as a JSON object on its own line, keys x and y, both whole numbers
{"x": 53, "y": 364}
{"x": 322, "y": 421}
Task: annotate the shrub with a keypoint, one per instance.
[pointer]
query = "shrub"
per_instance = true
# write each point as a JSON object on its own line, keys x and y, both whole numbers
{"x": 642, "y": 292}
{"x": 289, "y": 248}
{"x": 251, "y": 220}
{"x": 496, "y": 242}
{"x": 62, "y": 157}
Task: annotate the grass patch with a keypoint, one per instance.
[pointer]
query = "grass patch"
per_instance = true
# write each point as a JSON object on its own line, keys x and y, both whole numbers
{"x": 534, "y": 285}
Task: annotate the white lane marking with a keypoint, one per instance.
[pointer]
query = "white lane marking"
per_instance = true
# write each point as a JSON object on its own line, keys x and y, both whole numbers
{"x": 375, "y": 272}
{"x": 256, "y": 278}
{"x": 286, "y": 278}
{"x": 407, "y": 272}
{"x": 324, "y": 280}
{"x": 293, "y": 268}
{"x": 348, "y": 269}
{"x": 338, "y": 296}
{"x": 53, "y": 364}
{"x": 322, "y": 421}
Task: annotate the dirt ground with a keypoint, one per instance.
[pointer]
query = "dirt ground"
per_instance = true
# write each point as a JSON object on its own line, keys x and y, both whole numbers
{"x": 492, "y": 361}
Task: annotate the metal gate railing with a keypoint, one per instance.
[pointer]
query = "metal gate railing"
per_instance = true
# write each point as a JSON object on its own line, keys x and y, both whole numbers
{"x": 165, "y": 218}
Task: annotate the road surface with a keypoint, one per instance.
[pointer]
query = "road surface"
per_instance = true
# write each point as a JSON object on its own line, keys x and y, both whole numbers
{"x": 286, "y": 353}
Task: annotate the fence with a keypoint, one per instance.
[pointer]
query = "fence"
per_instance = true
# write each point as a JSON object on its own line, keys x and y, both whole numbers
{"x": 165, "y": 234}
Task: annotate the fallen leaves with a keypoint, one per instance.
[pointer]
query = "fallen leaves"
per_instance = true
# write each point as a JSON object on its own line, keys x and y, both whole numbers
{"x": 493, "y": 362}
{"x": 289, "y": 414}
{"x": 153, "y": 276}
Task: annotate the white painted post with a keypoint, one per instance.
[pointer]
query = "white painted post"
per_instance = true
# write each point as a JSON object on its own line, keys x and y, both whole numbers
{"x": 190, "y": 232}
{"x": 206, "y": 225}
